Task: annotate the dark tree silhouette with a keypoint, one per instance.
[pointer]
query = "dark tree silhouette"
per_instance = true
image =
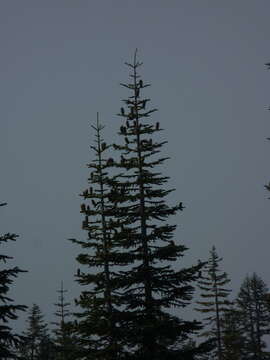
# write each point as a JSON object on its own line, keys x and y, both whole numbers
{"x": 254, "y": 316}
{"x": 99, "y": 332}
{"x": 232, "y": 337}
{"x": 214, "y": 295}
{"x": 64, "y": 339}
{"x": 8, "y": 310}
{"x": 135, "y": 278}
{"x": 36, "y": 339}
{"x": 153, "y": 282}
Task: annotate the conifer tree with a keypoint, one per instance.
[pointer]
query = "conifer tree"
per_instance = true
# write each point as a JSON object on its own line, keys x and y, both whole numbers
{"x": 8, "y": 310}
{"x": 254, "y": 316}
{"x": 35, "y": 336}
{"x": 149, "y": 286}
{"x": 232, "y": 336}
{"x": 98, "y": 326}
{"x": 214, "y": 295}
{"x": 64, "y": 332}
{"x": 132, "y": 285}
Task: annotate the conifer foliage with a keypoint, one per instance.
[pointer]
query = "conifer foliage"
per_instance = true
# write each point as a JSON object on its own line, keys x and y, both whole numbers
{"x": 254, "y": 316}
{"x": 64, "y": 332}
{"x": 98, "y": 330}
{"x": 36, "y": 339}
{"x": 131, "y": 285}
{"x": 215, "y": 303}
{"x": 149, "y": 285}
{"x": 232, "y": 337}
{"x": 8, "y": 310}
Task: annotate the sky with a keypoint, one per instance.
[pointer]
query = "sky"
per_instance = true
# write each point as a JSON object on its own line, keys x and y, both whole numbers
{"x": 63, "y": 61}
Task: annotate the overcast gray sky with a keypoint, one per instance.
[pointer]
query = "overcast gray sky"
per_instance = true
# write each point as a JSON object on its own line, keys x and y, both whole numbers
{"x": 62, "y": 61}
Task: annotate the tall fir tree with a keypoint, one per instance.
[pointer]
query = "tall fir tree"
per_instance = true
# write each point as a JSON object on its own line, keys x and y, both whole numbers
{"x": 215, "y": 302}
{"x": 98, "y": 324}
{"x": 132, "y": 285}
{"x": 36, "y": 338}
{"x": 8, "y": 310}
{"x": 150, "y": 284}
{"x": 254, "y": 316}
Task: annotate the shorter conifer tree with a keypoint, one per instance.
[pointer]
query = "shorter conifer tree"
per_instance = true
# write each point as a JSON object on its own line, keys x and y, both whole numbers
{"x": 8, "y": 310}
{"x": 36, "y": 337}
{"x": 254, "y": 313}
{"x": 214, "y": 302}
{"x": 99, "y": 332}
{"x": 64, "y": 340}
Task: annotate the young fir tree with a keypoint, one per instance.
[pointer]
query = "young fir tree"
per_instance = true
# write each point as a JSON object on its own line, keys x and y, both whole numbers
{"x": 35, "y": 337}
{"x": 214, "y": 295}
{"x": 149, "y": 286}
{"x": 8, "y": 310}
{"x": 64, "y": 332}
{"x": 254, "y": 316}
{"x": 99, "y": 331}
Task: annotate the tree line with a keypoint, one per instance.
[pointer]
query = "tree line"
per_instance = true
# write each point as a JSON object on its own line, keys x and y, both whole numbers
{"x": 134, "y": 286}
